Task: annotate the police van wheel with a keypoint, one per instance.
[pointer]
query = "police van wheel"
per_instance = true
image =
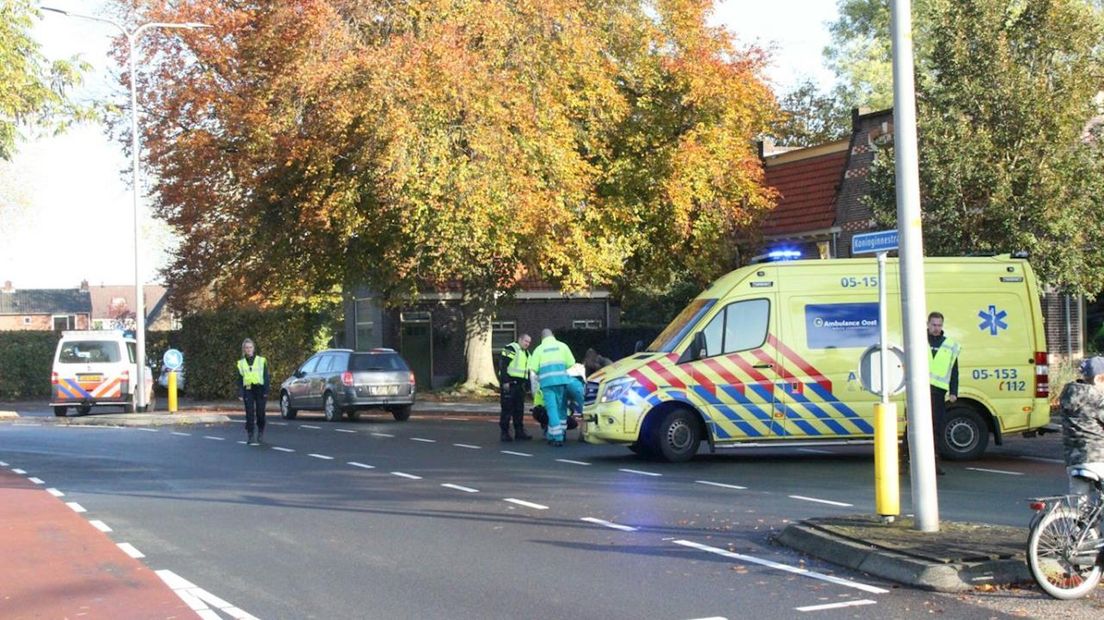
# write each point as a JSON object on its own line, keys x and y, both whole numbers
{"x": 84, "y": 409}
{"x": 61, "y": 412}
{"x": 965, "y": 434}
{"x": 677, "y": 437}
{"x": 287, "y": 412}
{"x": 332, "y": 412}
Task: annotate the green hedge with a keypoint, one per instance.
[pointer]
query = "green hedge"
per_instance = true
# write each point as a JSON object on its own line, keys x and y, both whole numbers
{"x": 211, "y": 342}
{"x": 26, "y": 361}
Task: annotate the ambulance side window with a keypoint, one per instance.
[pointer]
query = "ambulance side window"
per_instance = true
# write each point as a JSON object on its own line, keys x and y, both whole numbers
{"x": 714, "y": 335}
{"x": 746, "y": 325}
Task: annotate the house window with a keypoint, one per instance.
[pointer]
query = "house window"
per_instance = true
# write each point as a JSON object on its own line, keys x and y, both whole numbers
{"x": 365, "y": 327}
{"x": 63, "y": 322}
{"x": 587, "y": 324}
{"x": 26, "y": 320}
{"x": 502, "y": 334}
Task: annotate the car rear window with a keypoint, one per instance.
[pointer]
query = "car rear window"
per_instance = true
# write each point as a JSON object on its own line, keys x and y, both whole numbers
{"x": 89, "y": 352}
{"x": 377, "y": 361}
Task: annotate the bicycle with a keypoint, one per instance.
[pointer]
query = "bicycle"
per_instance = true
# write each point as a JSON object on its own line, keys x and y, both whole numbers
{"x": 1065, "y": 550}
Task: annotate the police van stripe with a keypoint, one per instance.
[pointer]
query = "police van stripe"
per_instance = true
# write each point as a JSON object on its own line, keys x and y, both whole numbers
{"x": 76, "y": 386}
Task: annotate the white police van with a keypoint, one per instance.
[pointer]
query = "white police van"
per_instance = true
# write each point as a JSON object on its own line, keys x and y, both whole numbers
{"x": 95, "y": 368}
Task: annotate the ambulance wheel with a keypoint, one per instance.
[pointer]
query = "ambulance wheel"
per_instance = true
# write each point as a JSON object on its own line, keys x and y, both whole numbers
{"x": 330, "y": 409}
{"x": 965, "y": 434}
{"x": 287, "y": 412}
{"x": 677, "y": 437}
{"x": 61, "y": 412}
{"x": 84, "y": 409}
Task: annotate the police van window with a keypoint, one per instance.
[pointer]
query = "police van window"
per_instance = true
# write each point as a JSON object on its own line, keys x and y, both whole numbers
{"x": 746, "y": 325}
{"x": 688, "y": 319}
{"x": 89, "y": 352}
{"x": 132, "y": 352}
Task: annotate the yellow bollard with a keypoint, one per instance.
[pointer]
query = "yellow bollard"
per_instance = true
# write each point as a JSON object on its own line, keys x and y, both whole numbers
{"x": 172, "y": 391}
{"x": 887, "y": 492}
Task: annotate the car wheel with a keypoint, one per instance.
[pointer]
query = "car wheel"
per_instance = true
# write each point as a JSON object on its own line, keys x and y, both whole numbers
{"x": 353, "y": 415}
{"x": 61, "y": 412}
{"x": 84, "y": 409}
{"x": 965, "y": 435}
{"x": 330, "y": 408}
{"x": 287, "y": 412}
{"x": 677, "y": 436}
{"x": 401, "y": 414}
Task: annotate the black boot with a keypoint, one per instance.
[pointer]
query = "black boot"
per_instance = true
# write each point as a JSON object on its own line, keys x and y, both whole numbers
{"x": 252, "y": 441}
{"x": 521, "y": 435}
{"x": 260, "y": 435}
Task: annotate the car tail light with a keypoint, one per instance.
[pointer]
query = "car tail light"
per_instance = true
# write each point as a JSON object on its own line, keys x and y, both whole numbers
{"x": 1036, "y": 505}
{"x": 347, "y": 378}
{"x": 413, "y": 381}
{"x": 53, "y": 378}
{"x": 1042, "y": 375}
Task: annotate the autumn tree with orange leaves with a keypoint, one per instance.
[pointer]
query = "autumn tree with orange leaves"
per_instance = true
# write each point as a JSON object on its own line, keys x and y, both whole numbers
{"x": 302, "y": 146}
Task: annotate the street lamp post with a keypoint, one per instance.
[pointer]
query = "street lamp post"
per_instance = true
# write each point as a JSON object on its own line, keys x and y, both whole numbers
{"x": 140, "y": 403}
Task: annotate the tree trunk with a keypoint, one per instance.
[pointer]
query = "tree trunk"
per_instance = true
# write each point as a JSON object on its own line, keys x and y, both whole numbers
{"x": 477, "y": 344}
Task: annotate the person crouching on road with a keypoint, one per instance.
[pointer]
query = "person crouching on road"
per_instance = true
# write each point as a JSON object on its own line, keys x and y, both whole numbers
{"x": 549, "y": 362}
{"x": 513, "y": 374}
{"x": 1082, "y": 407}
{"x": 253, "y": 382}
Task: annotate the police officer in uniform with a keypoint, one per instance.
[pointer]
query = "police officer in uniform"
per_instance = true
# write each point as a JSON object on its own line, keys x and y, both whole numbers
{"x": 549, "y": 362}
{"x": 513, "y": 374}
{"x": 253, "y": 381}
{"x": 943, "y": 366}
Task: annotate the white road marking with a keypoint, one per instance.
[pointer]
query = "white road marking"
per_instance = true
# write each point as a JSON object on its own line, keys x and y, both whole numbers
{"x": 100, "y": 525}
{"x": 405, "y": 475}
{"x": 1042, "y": 460}
{"x": 55, "y": 492}
{"x": 282, "y": 449}
{"x": 642, "y": 473}
{"x": 839, "y": 605}
{"x": 361, "y": 465}
{"x": 515, "y": 453}
{"x": 148, "y": 430}
{"x": 3, "y": 464}
{"x": 815, "y": 451}
{"x": 279, "y": 423}
{"x": 820, "y": 501}
{"x": 198, "y": 599}
{"x": 571, "y": 462}
{"x": 996, "y": 471}
{"x": 131, "y": 551}
{"x": 460, "y": 488}
{"x": 721, "y": 485}
{"x": 19, "y": 471}
{"x": 76, "y": 507}
{"x": 448, "y": 418}
{"x": 181, "y": 434}
{"x": 423, "y": 440}
{"x": 344, "y": 430}
{"x": 321, "y": 456}
{"x": 313, "y": 428}
{"x": 783, "y": 567}
{"x": 242, "y": 443}
{"x": 521, "y": 502}
{"x": 609, "y": 524}
{"x": 382, "y": 435}
{"x": 214, "y": 438}
{"x": 468, "y": 446}
{"x": 36, "y": 480}
{"x": 712, "y": 618}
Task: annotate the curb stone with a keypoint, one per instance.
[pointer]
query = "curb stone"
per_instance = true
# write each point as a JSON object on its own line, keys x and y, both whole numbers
{"x": 904, "y": 569}
{"x": 132, "y": 419}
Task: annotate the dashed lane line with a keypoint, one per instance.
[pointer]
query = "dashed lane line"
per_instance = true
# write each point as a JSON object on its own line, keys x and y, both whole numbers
{"x": 313, "y": 428}
{"x": 405, "y": 475}
{"x": 361, "y": 465}
{"x": 382, "y": 435}
{"x": 571, "y": 462}
{"x": 423, "y": 440}
{"x": 279, "y": 423}
{"x": 996, "y": 471}
{"x": 344, "y": 430}
{"x": 55, "y": 492}
{"x": 3, "y": 464}
{"x": 213, "y": 438}
{"x": 36, "y": 480}
{"x": 179, "y": 434}
{"x": 460, "y": 488}
{"x": 782, "y": 567}
{"x": 511, "y": 452}
{"x": 19, "y": 471}
{"x": 468, "y": 446}
{"x": 100, "y": 525}
{"x": 721, "y": 485}
{"x": 609, "y": 524}
{"x": 821, "y": 501}
{"x": 840, "y": 605}
{"x": 243, "y": 443}
{"x": 148, "y": 430}
{"x": 321, "y": 456}
{"x": 282, "y": 449}
{"x": 521, "y": 502}
{"x": 130, "y": 550}
{"x": 76, "y": 507}
{"x": 640, "y": 473}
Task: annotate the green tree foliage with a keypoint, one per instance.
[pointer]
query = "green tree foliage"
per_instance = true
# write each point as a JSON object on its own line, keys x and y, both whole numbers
{"x": 26, "y": 360}
{"x": 810, "y": 116}
{"x": 1005, "y": 161}
{"x": 33, "y": 92}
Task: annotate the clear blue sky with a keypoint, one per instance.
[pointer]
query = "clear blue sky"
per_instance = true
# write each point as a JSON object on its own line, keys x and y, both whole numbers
{"x": 75, "y": 217}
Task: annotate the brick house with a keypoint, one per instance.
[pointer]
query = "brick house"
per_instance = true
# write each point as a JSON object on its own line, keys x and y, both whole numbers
{"x": 430, "y": 333}
{"x": 113, "y": 306}
{"x": 44, "y": 309}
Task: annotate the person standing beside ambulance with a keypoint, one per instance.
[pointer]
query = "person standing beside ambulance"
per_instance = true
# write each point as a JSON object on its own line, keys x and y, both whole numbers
{"x": 943, "y": 366}
{"x": 253, "y": 380}
{"x": 549, "y": 363}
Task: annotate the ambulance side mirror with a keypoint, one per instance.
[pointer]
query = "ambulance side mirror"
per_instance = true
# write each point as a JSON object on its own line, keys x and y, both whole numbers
{"x": 697, "y": 349}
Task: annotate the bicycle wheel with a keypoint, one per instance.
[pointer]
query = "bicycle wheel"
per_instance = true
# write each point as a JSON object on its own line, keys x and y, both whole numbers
{"x": 1053, "y": 558}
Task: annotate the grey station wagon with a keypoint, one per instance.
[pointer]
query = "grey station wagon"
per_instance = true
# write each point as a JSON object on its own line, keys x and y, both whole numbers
{"x": 342, "y": 381}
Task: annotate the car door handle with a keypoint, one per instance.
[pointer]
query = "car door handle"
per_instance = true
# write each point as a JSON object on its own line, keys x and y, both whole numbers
{"x": 763, "y": 366}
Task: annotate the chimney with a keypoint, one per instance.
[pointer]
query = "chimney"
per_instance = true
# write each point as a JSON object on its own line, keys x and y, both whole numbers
{"x": 8, "y": 286}
{"x": 84, "y": 286}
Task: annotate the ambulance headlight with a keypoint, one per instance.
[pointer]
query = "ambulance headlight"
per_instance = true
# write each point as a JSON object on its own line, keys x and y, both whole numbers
{"x": 618, "y": 388}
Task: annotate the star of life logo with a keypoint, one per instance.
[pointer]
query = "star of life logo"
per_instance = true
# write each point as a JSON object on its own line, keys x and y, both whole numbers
{"x": 992, "y": 320}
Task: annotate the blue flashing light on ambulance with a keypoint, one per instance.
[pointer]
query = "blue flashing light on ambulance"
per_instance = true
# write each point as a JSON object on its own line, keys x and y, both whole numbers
{"x": 770, "y": 353}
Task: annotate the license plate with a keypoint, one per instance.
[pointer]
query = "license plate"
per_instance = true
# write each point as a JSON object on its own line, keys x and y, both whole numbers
{"x": 383, "y": 390}
{"x": 89, "y": 378}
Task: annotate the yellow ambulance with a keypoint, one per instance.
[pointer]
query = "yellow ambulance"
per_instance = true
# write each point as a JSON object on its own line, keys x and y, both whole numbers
{"x": 769, "y": 355}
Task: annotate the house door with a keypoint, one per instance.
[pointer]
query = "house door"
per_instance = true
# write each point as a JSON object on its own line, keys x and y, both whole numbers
{"x": 416, "y": 345}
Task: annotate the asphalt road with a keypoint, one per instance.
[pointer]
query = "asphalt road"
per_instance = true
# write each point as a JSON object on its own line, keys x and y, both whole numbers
{"x": 435, "y": 518}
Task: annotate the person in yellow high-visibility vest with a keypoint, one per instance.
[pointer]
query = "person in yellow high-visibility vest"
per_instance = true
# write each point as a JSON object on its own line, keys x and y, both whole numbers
{"x": 549, "y": 362}
{"x": 513, "y": 375}
{"x": 943, "y": 368}
{"x": 253, "y": 381}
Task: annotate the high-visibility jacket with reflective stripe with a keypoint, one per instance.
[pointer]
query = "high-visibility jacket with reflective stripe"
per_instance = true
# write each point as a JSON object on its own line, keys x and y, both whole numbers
{"x": 942, "y": 362}
{"x": 518, "y": 365}
{"x": 550, "y": 362}
{"x": 252, "y": 375}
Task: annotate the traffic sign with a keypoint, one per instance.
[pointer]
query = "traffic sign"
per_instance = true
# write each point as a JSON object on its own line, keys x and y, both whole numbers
{"x": 870, "y": 370}
{"x": 870, "y": 243}
{"x": 173, "y": 359}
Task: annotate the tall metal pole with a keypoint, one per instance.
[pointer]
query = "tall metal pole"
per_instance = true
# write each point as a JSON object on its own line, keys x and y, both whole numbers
{"x": 139, "y": 294}
{"x": 925, "y": 500}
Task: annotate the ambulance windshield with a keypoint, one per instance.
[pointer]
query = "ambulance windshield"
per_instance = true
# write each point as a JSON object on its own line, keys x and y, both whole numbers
{"x": 683, "y": 323}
